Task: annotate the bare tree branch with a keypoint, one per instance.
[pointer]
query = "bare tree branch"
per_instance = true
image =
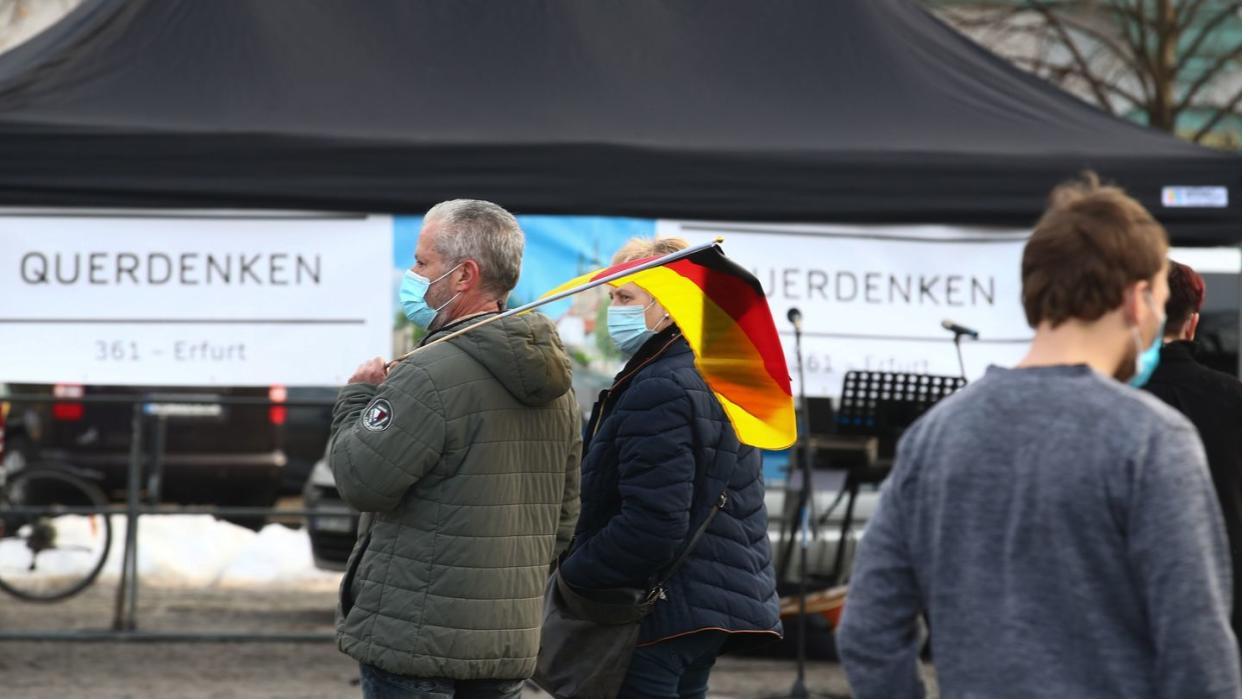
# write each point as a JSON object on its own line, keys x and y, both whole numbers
{"x": 962, "y": 20}
{"x": 1188, "y": 13}
{"x": 1135, "y": 39}
{"x": 1112, "y": 70}
{"x": 1035, "y": 65}
{"x": 12, "y": 8}
{"x": 984, "y": 14}
{"x": 1208, "y": 28}
{"x": 1140, "y": 29}
{"x": 1208, "y": 75}
{"x": 1150, "y": 62}
{"x": 1121, "y": 57}
{"x": 1038, "y": 65}
{"x": 1122, "y": 7}
{"x": 1100, "y": 37}
{"x": 999, "y": 28}
{"x": 1221, "y": 113}
{"x": 1094, "y": 84}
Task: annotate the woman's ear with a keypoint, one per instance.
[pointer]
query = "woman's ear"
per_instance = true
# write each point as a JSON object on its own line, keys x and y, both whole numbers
{"x": 664, "y": 320}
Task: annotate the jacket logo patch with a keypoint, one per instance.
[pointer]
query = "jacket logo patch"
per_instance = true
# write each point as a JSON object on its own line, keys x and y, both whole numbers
{"x": 378, "y": 416}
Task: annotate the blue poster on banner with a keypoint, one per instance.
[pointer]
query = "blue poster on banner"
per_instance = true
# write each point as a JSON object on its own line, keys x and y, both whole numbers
{"x": 558, "y": 248}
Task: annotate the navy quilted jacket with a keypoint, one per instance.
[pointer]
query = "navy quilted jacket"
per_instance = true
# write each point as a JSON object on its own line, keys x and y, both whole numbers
{"x": 651, "y": 433}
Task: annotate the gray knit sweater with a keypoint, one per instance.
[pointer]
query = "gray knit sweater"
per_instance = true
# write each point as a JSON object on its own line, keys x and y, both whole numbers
{"x": 1060, "y": 532}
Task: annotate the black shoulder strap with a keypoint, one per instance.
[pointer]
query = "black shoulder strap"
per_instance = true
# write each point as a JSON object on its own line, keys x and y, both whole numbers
{"x": 721, "y": 502}
{"x": 694, "y": 540}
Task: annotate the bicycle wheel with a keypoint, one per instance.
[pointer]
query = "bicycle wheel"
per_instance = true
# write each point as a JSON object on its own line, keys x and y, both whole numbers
{"x": 47, "y": 558}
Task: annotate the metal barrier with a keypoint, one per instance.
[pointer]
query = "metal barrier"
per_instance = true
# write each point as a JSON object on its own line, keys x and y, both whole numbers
{"x": 125, "y": 611}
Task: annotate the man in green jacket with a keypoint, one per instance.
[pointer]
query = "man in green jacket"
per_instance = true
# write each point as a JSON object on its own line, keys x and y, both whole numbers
{"x": 464, "y": 460}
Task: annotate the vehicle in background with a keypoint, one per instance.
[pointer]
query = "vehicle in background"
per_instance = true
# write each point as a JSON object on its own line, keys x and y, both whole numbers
{"x": 306, "y": 434}
{"x": 332, "y": 534}
{"x": 13, "y": 444}
{"x": 213, "y": 453}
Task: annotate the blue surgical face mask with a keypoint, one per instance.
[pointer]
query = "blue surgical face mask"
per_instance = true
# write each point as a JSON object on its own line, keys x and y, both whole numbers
{"x": 1148, "y": 359}
{"x": 413, "y": 296}
{"x": 627, "y": 326}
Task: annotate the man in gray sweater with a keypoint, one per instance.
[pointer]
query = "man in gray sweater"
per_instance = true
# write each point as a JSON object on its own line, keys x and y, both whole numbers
{"x": 1057, "y": 527}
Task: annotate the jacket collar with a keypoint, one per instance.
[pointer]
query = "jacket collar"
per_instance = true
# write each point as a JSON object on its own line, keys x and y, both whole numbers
{"x": 1178, "y": 351}
{"x": 454, "y": 326}
{"x": 668, "y": 341}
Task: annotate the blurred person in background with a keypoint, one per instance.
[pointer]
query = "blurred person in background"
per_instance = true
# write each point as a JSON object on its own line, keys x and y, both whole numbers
{"x": 659, "y": 452}
{"x": 1058, "y": 527}
{"x": 1213, "y": 402}
{"x": 464, "y": 461}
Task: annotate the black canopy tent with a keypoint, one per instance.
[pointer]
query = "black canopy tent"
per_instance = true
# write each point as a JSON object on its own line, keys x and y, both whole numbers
{"x": 844, "y": 111}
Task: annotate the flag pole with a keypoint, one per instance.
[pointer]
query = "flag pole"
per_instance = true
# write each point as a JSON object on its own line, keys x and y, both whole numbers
{"x": 650, "y": 264}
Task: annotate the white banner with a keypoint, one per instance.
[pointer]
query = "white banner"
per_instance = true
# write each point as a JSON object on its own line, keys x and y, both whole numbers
{"x": 193, "y": 300}
{"x": 873, "y": 297}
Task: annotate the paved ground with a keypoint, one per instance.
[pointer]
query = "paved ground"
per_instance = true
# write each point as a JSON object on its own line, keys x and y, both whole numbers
{"x": 246, "y": 670}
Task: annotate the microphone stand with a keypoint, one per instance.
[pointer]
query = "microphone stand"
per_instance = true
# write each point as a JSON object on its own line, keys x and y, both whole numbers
{"x": 957, "y": 343}
{"x": 798, "y": 690}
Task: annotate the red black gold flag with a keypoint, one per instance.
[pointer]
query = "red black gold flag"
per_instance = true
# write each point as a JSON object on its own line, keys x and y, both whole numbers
{"x": 723, "y": 313}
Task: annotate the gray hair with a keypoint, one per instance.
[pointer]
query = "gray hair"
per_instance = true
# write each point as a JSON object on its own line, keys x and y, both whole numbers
{"x": 484, "y": 232}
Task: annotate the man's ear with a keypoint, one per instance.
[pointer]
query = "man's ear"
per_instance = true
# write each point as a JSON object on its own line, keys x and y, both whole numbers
{"x": 470, "y": 275}
{"x": 1192, "y": 327}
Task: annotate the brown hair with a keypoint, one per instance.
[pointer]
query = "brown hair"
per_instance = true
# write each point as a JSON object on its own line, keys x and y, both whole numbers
{"x": 1091, "y": 243}
{"x": 639, "y": 248}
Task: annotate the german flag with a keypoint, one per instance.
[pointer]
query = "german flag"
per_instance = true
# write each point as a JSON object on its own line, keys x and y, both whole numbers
{"x": 723, "y": 313}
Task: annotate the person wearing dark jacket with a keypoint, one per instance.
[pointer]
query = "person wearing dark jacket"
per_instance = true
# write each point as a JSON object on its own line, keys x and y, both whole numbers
{"x": 658, "y": 452}
{"x": 1213, "y": 402}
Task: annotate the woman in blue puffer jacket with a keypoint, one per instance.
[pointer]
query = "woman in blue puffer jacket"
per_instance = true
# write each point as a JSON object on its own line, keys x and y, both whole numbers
{"x": 658, "y": 453}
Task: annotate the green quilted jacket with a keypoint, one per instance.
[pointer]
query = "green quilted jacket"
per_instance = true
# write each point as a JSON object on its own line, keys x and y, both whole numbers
{"x": 465, "y": 465}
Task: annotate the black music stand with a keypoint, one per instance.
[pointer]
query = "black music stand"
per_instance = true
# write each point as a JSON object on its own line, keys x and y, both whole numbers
{"x": 881, "y": 404}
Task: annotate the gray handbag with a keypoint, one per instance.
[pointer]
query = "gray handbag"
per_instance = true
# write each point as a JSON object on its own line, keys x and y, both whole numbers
{"x": 589, "y": 635}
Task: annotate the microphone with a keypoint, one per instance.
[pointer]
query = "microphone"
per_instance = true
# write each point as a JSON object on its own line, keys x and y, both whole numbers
{"x": 959, "y": 329}
{"x": 795, "y": 317}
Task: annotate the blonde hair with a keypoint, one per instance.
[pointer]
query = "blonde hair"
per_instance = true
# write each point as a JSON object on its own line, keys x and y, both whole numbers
{"x": 640, "y": 248}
